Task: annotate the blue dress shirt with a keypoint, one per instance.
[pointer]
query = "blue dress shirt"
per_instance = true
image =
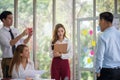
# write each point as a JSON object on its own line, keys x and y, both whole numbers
{"x": 108, "y": 49}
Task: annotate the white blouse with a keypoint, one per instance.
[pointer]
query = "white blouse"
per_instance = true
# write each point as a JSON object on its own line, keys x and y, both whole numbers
{"x": 69, "y": 53}
{"x": 21, "y": 74}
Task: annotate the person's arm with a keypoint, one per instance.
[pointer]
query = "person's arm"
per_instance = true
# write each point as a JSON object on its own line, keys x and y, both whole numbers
{"x": 57, "y": 54}
{"x": 69, "y": 54}
{"x": 15, "y": 40}
{"x": 32, "y": 65}
{"x": 28, "y": 78}
{"x": 28, "y": 38}
{"x": 52, "y": 53}
{"x": 99, "y": 55}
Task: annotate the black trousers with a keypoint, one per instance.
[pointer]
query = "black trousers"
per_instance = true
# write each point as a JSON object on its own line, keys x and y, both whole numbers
{"x": 109, "y": 74}
{"x": 5, "y": 67}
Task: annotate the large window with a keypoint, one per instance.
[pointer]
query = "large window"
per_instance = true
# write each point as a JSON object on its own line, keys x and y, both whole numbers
{"x": 86, "y": 17}
{"x": 64, "y": 15}
{"x": 85, "y": 41}
{"x": 87, "y": 32}
{"x": 44, "y": 35}
{"x": 84, "y": 8}
{"x": 87, "y": 75}
{"x": 25, "y": 18}
{"x": 86, "y": 44}
{"x": 6, "y": 5}
{"x": 104, "y": 5}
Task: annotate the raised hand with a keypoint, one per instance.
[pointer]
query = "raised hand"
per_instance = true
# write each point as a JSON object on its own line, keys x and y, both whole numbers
{"x": 25, "y": 32}
{"x": 30, "y": 30}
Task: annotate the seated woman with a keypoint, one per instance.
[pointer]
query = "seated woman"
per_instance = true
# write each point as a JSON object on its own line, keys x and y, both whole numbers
{"x": 21, "y": 63}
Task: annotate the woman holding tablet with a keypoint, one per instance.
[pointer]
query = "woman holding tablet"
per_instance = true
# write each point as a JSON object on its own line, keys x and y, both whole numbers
{"x": 60, "y": 67}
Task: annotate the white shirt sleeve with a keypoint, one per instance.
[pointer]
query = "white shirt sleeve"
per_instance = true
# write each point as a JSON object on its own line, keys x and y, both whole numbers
{"x": 69, "y": 53}
{"x": 14, "y": 73}
{"x": 32, "y": 65}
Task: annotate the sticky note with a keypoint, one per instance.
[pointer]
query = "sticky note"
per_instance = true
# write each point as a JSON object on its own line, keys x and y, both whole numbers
{"x": 84, "y": 32}
{"x": 92, "y": 52}
{"x": 89, "y": 60}
{"x": 91, "y": 32}
{"x": 85, "y": 49}
{"x": 93, "y": 43}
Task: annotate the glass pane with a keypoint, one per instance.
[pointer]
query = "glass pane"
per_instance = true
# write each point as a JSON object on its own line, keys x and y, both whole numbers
{"x": 25, "y": 17}
{"x": 84, "y": 8}
{"x": 104, "y": 5}
{"x": 25, "y": 14}
{"x": 118, "y": 6}
{"x": 44, "y": 33}
{"x": 6, "y": 5}
{"x": 97, "y": 27}
{"x": 86, "y": 75}
{"x": 64, "y": 15}
{"x": 87, "y": 43}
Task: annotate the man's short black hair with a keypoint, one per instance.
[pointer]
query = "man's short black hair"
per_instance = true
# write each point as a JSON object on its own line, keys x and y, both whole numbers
{"x": 107, "y": 16}
{"x": 4, "y": 15}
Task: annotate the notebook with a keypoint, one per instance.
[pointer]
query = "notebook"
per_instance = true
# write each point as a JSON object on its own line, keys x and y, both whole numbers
{"x": 62, "y": 48}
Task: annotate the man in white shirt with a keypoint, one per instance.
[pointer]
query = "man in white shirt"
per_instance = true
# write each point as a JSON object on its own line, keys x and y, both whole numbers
{"x": 9, "y": 39}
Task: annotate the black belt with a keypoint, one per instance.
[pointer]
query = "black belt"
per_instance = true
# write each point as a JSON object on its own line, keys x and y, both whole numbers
{"x": 118, "y": 67}
{"x": 7, "y": 58}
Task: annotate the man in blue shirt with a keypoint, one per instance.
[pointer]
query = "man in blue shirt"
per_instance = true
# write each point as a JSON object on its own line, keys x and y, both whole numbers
{"x": 108, "y": 49}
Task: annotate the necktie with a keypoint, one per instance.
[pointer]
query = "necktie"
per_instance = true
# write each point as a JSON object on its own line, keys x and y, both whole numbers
{"x": 12, "y": 37}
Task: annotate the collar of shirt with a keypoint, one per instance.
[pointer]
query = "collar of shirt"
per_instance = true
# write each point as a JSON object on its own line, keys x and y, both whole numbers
{"x": 6, "y": 28}
{"x": 110, "y": 28}
{"x": 28, "y": 64}
{"x": 64, "y": 40}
